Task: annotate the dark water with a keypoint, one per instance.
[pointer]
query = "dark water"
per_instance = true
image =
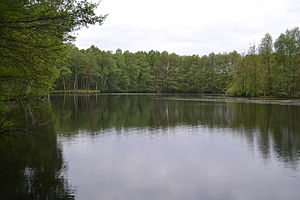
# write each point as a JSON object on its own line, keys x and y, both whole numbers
{"x": 118, "y": 147}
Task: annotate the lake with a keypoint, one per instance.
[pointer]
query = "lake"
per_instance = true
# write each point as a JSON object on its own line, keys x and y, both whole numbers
{"x": 135, "y": 146}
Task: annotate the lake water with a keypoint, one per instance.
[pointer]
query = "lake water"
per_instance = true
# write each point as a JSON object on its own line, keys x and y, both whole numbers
{"x": 121, "y": 146}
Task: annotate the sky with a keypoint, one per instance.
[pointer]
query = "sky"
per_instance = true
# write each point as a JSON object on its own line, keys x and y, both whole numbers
{"x": 188, "y": 27}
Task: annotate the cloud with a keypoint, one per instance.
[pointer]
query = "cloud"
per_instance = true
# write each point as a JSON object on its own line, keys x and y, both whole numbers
{"x": 190, "y": 26}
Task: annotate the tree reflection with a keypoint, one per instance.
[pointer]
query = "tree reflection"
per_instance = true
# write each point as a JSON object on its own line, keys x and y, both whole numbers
{"x": 273, "y": 128}
{"x": 31, "y": 163}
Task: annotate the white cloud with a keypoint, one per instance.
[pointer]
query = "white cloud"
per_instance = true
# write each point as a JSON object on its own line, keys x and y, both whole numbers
{"x": 190, "y": 26}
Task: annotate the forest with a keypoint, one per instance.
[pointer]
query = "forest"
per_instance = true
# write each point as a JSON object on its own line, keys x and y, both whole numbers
{"x": 38, "y": 57}
{"x": 270, "y": 69}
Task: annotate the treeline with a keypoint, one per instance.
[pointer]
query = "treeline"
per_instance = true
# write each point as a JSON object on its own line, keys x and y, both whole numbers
{"x": 272, "y": 69}
{"x": 151, "y": 71}
{"x": 36, "y": 56}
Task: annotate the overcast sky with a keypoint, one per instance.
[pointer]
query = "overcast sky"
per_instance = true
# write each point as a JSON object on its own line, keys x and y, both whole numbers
{"x": 189, "y": 27}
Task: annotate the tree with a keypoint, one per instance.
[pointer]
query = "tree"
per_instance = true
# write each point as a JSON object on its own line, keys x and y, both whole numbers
{"x": 265, "y": 51}
{"x": 253, "y": 88}
{"x": 287, "y": 48}
{"x": 260, "y": 72}
{"x": 146, "y": 75}
{"x": 32, "y": 34}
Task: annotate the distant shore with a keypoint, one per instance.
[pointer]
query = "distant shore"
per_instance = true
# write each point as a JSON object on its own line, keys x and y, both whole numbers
{"x": 148, "y": 92}
{"x": 75, "y": 91}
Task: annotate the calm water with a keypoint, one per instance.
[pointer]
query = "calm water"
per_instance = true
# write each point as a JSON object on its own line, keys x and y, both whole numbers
{"x": 118, "y": 147}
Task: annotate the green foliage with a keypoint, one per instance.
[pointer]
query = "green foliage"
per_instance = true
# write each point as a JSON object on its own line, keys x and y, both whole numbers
{"x": 267, "y": 64}
{"x": 146, "y": 71}
{"x": 287, "y": 55}
{"x": 36, "y": 56}
{"x": 262, "y": 71}
{"x": 270, "y": 72}
{"x": 32, "y": 37}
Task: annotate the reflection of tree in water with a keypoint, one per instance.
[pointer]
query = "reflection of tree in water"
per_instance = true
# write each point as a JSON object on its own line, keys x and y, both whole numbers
{"x": 273, "y": 128}
{"x": 31, "y": 163}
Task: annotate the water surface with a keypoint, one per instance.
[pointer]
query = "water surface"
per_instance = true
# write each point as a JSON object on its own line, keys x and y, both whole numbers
{"x": 153, "y": 147}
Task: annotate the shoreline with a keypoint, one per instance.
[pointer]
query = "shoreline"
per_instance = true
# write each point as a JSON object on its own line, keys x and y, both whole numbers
{"x": 89, "y": 92}
{"x": 66, "y": 92}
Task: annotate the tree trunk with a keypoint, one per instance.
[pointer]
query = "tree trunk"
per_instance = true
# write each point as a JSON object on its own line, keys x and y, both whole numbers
{"x": 75, "y": 81}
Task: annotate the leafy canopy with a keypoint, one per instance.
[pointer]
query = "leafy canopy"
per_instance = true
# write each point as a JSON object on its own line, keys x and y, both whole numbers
{"x": 32, "y": 34}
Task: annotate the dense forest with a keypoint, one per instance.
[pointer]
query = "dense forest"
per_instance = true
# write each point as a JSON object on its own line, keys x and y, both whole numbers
{"x": 272, "y": 68}
{"x": 37, "y": 57}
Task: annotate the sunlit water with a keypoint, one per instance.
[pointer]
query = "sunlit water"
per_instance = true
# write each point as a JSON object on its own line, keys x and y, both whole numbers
{"x": 155, "y": 147}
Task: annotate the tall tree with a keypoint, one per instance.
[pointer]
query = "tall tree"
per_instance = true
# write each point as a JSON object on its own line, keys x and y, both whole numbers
{"x": 32, "y": 33}
{"x": 287, "y": 48}
{"x": 265, "y": 51}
